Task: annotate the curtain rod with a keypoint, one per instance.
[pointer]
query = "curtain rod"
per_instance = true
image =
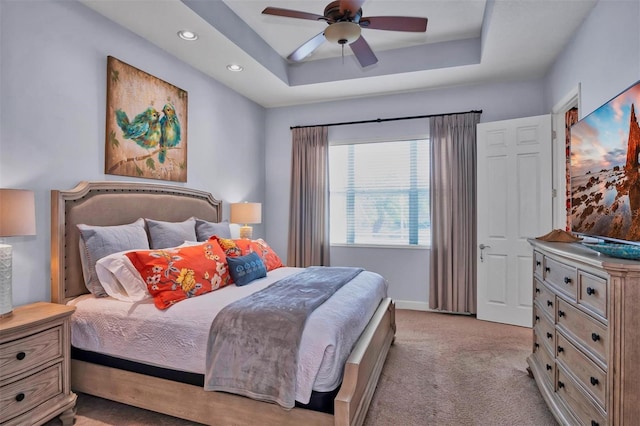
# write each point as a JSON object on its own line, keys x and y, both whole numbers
{"x": 380, "y": 120}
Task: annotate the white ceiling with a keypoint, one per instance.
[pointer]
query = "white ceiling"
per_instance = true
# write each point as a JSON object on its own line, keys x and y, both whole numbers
{"x": 467, "y": 42}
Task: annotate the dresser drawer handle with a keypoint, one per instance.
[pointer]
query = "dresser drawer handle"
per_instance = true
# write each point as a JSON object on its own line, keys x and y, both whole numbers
{"x": 567, "y": 280}
{"x": 549, "y": 335}
{"x": 560, "y": 349}
{"x": 549, "y": 367}
{"x": 594, "y": 423}
{"x": 594, "y": 381}
{"x": 537, "y": 318}
{"x": 590, "y": 291}
{"x": 560, "y": 384}
{"x": 549, "y": 303}
{"x": 595, "y": 337}
{"x": 20, "y": 397}
{"x": 538, "y": 263}
{"x": 561, "y": 313}
{"x": 537, "y": 345}
{"x": 20, "y": 356}
{"x": 547, "y": 269}
{"x": 537, "y": 290}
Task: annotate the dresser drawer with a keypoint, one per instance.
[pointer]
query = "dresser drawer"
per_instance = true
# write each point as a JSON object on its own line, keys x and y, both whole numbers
{"x": 538, "y": 264}
{"x": 560, "y": 276}
{"x": 548, "y": 365}
{"x": 23, "y": 354}
{"x": 592, "y": 293}
{"x": 545, "y": 298}
{"x": 590, "y": 333}
{"x": 592, "y": 377}
{"x": 23, "y": 395}
{"x": 583, "y": 408}
{"x": 545, "y": 331}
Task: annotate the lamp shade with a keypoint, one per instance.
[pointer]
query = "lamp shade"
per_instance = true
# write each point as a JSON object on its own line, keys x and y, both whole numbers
{"x": 17, "y": 213}
{"x": 246, "y": 213}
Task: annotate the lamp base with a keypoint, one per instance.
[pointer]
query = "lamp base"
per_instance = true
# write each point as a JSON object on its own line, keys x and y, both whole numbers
{"x": 5, "y": 280}
{"x": 7, "y": 314}
{"x": 246, "y": 231}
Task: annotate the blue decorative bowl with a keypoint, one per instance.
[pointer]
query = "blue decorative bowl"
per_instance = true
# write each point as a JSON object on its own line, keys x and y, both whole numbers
{"x": 622, "y": 251}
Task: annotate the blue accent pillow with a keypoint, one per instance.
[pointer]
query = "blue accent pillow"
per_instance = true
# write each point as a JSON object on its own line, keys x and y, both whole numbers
{"x": 244, "y": 269}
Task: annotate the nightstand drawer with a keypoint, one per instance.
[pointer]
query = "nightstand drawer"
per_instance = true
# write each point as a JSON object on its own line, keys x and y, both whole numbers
{"x": 23, "y": 395}
{"x": 23, "y": 354}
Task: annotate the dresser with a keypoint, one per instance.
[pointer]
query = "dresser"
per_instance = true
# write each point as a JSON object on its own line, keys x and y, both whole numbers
{"x": 35, "y": 365}
{"x": 586, "y": 334}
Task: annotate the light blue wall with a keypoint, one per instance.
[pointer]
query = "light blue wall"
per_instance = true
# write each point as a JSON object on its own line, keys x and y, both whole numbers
{"x": 603, "y": 56}
{"x": 53, "y": 95}
{"x": 407, "y": 270}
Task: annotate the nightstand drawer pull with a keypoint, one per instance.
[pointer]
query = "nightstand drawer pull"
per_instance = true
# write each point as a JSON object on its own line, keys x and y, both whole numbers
{"x": 20, "y": 397}
{"x": 547, "y": 269}
{"x": 594, "y": 381}
{"x": 549, "y": 367}
{"x": 595, "y": 337}
{"x": 538, "y": 263}
{"x": 537, "y": 290}
{"x": 561, "y": 313}
{"x": 549, "y": 303}
{"x": 560, "y": 349}
{"x": 549, "y": 335}
{"x": 590, "y": 291}
{"x": 567, "y": 280}
{"x": 20, "y": 356}
{"x": 594, "y": 423}
{"x": 560, "y": 384}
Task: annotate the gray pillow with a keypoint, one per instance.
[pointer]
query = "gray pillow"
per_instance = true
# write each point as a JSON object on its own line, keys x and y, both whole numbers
{"x": 170, "y": 234}
{"x": 97, "y": 242}
{"x": 205, "y": 230}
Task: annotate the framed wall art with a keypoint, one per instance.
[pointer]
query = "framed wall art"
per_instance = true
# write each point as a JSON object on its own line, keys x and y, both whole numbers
{"x": 146, "y": 125}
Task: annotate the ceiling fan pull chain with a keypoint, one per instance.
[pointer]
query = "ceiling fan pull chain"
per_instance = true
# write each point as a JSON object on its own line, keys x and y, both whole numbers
{"x": 342, "y": 54}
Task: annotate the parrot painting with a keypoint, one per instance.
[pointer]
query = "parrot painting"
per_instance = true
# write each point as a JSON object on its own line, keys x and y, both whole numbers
{"x": 144, "y": 129}
{"x": 170, "y": 128}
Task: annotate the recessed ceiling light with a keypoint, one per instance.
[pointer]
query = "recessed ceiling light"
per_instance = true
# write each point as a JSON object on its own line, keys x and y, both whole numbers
{"x": 187, "y": 35}
{"x": 234, "y": 67}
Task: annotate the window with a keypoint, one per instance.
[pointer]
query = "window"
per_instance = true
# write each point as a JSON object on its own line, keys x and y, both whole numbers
{"x": 379, "y": 193}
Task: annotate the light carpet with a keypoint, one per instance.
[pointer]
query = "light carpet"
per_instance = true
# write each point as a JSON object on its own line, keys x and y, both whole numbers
{"x": 443, "y": 369}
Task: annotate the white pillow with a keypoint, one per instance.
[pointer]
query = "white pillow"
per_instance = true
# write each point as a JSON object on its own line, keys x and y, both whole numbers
{"x": 120, "y": 278}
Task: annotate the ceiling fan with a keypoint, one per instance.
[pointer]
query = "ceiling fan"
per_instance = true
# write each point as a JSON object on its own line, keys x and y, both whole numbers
{"x": 345, "y": 21}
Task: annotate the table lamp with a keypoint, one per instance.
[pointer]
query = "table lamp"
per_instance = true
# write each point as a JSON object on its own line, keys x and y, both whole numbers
{"x": 246, "y": 213}
{"x": 17, "y": 218}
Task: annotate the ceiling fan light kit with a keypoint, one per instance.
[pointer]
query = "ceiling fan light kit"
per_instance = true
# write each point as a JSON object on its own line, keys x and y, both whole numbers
{"x": 342, "y": 32}
{"x": 345, "y": 21}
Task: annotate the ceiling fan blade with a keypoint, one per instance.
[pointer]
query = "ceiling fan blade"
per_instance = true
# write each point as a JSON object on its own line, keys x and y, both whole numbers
{"x": 363, "y": 52}
{"x": 307, "y": 48}
{"x": 395, "y": 23}
{"x": 288, "y": 13}
{"x": 352, "y": 6}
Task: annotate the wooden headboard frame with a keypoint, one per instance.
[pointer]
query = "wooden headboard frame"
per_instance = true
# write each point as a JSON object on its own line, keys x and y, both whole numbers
{"x": 105, "y": 203}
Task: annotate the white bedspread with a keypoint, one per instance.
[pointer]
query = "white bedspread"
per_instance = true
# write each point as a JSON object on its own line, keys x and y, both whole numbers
{"x": 177, "y": 337}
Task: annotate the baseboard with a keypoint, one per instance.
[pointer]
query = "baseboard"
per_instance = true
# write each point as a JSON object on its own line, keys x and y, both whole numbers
{"x": 412, "y": 305}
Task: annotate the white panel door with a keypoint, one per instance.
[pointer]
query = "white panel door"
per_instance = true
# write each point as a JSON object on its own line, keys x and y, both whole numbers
{"x": 514, "y": 203}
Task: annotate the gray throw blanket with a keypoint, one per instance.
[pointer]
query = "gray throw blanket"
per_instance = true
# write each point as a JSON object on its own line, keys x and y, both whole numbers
{"x": 253, "y": 343}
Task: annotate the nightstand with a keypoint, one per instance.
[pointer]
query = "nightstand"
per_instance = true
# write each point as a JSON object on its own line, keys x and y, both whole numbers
{"x": 35, "y": 365}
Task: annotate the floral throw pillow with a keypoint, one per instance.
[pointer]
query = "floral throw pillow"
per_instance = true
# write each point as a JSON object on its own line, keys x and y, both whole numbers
{"x": 175, "y": 274}
{"x": 244, "y": 246}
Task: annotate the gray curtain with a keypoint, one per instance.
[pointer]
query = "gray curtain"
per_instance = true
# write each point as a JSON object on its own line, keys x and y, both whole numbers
{"x": 309, "y": 200}
{"x": 452, "y": 285}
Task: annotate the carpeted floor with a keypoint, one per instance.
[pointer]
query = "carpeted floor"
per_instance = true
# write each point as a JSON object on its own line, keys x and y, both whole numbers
{"x": 442, "y": 370}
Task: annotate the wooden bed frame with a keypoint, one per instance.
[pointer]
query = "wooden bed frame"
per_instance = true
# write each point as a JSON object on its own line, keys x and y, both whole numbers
{"x": 111, "y": 203}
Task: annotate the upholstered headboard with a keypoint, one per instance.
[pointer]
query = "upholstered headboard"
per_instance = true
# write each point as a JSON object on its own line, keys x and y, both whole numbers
{"x": 105, "y": 203}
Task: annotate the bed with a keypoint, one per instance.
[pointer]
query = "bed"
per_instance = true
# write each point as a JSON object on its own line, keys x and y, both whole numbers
{"x": 106, "y": 203}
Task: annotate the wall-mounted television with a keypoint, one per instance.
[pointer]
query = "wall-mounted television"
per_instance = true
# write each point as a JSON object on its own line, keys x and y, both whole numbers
{"x": 605, "y": 173}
